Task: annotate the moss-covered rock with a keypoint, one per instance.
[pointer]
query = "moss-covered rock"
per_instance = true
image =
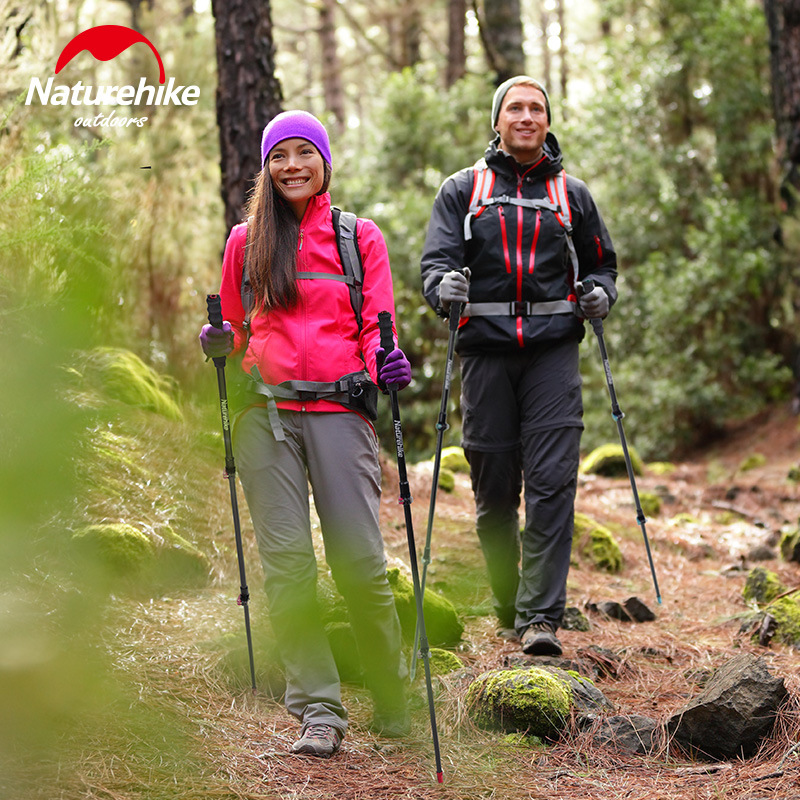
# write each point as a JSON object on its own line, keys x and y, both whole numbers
{"x": 447, "y": 480}
{"x": 786, "y": 612}
{"x": 178, "y": 561}
{"x": 453, "y": 458}
{"x": 122, "y": 549}
{"x": 123, "y": 376}
{"x": 596, "y": 544}
{"x": 651, "y": 504}
{"x": 442, "y": 624}
{"x": 790, "y": 546}
{"x": 532, "y": 700}
{"x": 753, "y": 461}
{"x": 444, "y": 661}
{"x": 661, "y": 467}
{"x": 762, "y": 586}
{"x": 609, "y": 460}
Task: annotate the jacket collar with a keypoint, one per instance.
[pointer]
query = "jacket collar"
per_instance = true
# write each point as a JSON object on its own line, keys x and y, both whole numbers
{"x": 504, "y": 164}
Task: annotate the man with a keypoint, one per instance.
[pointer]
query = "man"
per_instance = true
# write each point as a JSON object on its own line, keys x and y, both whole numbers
{"x": 497, "y": 241}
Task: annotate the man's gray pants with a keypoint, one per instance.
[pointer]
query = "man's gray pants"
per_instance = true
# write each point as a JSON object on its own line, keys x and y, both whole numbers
{"x": 338, "y": 454}
{"x": 522, "y": 423}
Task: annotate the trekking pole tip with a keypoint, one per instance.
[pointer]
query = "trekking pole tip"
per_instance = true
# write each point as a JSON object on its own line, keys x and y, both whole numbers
{"x": 440, "y": 777}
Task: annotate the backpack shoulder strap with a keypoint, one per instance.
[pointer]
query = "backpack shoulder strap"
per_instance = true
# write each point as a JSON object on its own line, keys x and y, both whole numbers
{"x": 246, "y": 288}
{"x": 482, "y": 185}
{"x": 344, "y": 224}
{"x": 557, "y": 191}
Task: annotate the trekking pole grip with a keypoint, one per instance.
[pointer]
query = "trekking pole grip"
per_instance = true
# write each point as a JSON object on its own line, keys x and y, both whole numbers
{"x": 385, "y": 328}
{"x": 214, "y": 305}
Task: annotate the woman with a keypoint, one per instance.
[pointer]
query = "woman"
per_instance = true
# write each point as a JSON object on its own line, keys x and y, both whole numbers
{"x": 302, "y": 331}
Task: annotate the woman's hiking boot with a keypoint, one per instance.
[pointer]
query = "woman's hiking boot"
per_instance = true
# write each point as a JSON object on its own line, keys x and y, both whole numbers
{"x": 540, "y": 640}
{"x": 318, "y": 740}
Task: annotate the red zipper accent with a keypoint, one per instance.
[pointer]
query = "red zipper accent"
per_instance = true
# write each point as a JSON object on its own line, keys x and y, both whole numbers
{"x": 535, "y": 241}
{"x": 519, "y": 246}
{"x": 506, "y": 254}
{"x": 519, "y": 332}
{"x": 599, "y": 246}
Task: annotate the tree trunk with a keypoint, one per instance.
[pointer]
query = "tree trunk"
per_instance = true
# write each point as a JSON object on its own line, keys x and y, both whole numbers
{"x": 248, "y": 95}
{"x": 563, "y": 57}
{"x": 501, "y": 31}
{"x": 456, "y": 54}
{"x": 783, "y": 18}
{"x": 331, "y": 69}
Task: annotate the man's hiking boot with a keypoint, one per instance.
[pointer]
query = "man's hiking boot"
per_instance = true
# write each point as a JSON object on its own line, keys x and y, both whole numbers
{"x": 318, "y": 740}
{"x": 540, "y": 640}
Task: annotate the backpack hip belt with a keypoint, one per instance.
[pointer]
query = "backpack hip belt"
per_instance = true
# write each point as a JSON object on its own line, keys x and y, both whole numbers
{"x": 518, "y": 309}
{"x": 354, "y": 391}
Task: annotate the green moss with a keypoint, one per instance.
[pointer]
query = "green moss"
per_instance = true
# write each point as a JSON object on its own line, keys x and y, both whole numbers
{"x": 762, "y": 586}
{"x": 447, "y": 480}
{"x": 531, "y": 700}
{"x": 786, "y": 612}
{"x": 609, "y": 460}
{"x": 123, "y": 549}
{"x": 453, "y": 458}
{"x": 125, "y": 377}
{"x": 441, "y": 619}
{"x": 661, "y": 467}
{"x": 596, "y": 543}
{"x": 651, "y": 504}
{"x": 753, "y": 461}
{"x": 793, "y": 475}
{"x": 790, "y": 545}
{"x": 444, "y": 661}
{"x": 179, "y": 561}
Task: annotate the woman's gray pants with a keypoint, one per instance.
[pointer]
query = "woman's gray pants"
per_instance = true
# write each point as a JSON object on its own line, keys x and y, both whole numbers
{"x": 338, "y": 454}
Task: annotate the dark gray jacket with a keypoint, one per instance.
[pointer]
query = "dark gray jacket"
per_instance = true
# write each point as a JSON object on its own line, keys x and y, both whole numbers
{"x": 516, "y": 254}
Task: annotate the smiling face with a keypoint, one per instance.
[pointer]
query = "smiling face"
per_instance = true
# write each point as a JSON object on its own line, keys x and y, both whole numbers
{"x": 298, "y": 172}
{"x": 522, "y": 123}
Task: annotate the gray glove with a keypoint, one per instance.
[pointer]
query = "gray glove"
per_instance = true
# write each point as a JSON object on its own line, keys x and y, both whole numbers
{"x": 454, "y": 288}
{"x": 595, "y": 303}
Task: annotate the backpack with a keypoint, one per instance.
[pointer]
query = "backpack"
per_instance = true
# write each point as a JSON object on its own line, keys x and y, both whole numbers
{"x": 355, "y": 391}
{"x": 558, "y": 203}
{"x": 344, "y": 225}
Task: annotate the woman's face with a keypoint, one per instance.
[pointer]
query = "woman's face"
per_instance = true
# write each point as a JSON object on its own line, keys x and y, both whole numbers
{"x": 297, "y": 170}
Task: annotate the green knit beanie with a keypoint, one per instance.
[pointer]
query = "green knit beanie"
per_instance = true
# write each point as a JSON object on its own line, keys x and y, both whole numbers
{"x": 503, "y": 88}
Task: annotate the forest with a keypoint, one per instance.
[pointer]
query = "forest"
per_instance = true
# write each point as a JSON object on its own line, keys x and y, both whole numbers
{"x": 682, "y": 117}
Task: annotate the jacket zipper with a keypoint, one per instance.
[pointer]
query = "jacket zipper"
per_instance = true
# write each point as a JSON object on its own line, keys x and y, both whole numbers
{"x": 504, "y": 231}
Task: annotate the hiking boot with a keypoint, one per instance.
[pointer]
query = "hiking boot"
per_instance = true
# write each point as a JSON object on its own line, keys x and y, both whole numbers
{"x": 540, "y": 640}
{"x": 318, "y": 740}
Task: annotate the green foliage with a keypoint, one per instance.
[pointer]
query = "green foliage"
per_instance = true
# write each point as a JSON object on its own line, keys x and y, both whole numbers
{"x": 682, "y": 172}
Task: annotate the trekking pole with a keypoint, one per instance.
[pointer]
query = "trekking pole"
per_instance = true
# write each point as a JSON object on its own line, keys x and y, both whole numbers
{"x": 387, "y": 343}
{"x": 215, "y": 318}
{"x": 616, "y": 412}
{"x": 441, "y": 427}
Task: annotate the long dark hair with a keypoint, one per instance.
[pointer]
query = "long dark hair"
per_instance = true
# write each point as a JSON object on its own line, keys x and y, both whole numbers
{"x": 272, "y": 233}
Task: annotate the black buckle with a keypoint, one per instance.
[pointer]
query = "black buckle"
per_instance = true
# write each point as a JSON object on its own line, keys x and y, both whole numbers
{"x": 519, "y": 308}
{"x": 305, "y": 396}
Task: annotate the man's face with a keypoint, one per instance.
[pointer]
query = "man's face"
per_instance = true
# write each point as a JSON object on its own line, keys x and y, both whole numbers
{"x": 522, "y": 123}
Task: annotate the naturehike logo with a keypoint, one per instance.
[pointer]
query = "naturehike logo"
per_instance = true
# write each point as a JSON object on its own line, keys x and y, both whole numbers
{"x": 106, "y": 42}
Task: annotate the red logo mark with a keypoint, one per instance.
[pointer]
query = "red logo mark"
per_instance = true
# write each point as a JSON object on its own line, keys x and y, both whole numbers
{"x": 105, "y": 42}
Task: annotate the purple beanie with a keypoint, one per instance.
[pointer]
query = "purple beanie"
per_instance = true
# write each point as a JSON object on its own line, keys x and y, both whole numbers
{"x": 295, "y": 124}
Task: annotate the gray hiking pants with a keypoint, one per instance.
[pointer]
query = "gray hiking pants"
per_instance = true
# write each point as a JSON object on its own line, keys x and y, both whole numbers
{"x": 338, "y": 454}
{"x": 522, "y": 423}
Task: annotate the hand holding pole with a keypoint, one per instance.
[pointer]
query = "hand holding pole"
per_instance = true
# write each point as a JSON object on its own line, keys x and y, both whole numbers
{"x": 215, "y": 318}
{"x": 387, "y": 343}
{"x": 585, "y": 287}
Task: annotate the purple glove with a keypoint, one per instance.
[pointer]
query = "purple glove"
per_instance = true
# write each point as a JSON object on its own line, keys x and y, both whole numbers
{"x": 215, "y": 342}
{"x": 396, "y": 368}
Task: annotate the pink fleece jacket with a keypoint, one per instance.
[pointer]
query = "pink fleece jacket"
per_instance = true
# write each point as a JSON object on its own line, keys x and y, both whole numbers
{"x": 318, "y": 338}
